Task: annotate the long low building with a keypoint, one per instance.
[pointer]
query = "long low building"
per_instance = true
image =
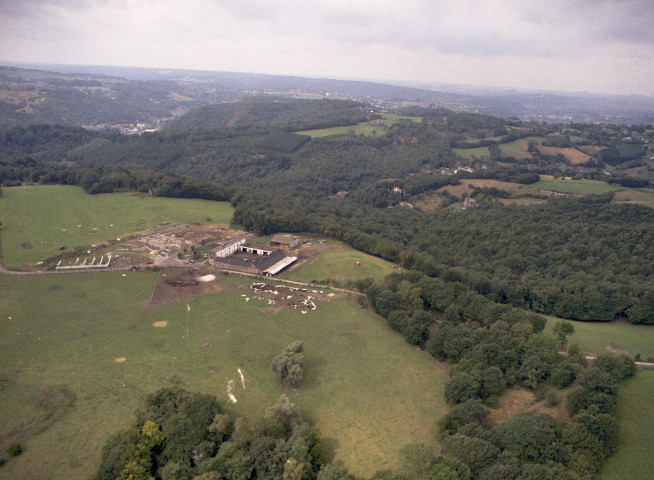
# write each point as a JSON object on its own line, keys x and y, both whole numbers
{"x": 228, "y": 248}
{"x": 261, "y": 264}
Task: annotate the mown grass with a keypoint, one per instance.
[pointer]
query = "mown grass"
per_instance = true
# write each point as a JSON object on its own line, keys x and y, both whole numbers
{"x": 368, "y": 391}
{"x": 483, "y": 151}
{"x": 631, "y": 195}
{"x": 574, "y": 186}
{"x": 342, "y": 264}
{"x": 635, "y": 414}
{"x": 595, "y": 337}
{"x": 365, "y": 128}
{"x": 49, "y": 216}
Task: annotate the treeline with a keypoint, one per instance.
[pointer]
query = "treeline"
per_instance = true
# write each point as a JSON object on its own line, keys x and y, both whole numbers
{"x": 184, "y": 436}
{"x": 493, "y": 346}
{"x": 111, "y": 178}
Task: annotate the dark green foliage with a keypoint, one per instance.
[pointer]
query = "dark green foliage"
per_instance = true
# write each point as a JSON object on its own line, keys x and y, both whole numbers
{"x": 288, "y": 365}
{"x": 334, "y": 471}
{"x": 551, "y": 471}
{"x": 110, "y": 179}
{"x": 462, "y": 387}
{"x": 285, "y": 413}
{"x": 447, "y": 469}
{"x": 508, "y": 467}
{"x": 474, "y": 452}
{"x": 281, "y": 446}
{"x": 184, "y": 420}
{"x": 15, "y": 449}
{"x": 563, "y": 329}
{"x": 294, "y": 114}
{"x": 620, "y": 152}
{"x": 471, "y": 411}
{"x": 601, "y": 426}
{"x": 618, "y": 367}
{"x": 528, "y": 437}
{"x": 284, "y": 142}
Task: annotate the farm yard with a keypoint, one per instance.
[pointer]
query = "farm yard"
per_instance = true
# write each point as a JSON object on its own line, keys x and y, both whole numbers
{"x": 85, "y": 362}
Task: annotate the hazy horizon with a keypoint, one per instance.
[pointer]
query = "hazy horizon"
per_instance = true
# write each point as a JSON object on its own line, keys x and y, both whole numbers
{"x": 583, "y": 46}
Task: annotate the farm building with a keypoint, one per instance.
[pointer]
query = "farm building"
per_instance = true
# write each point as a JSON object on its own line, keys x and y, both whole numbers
{"x": 286, "y": 242}
{"x": 254, "y": 260}
{"x": 469, "y": 202}
{"x": 226, "y": 249}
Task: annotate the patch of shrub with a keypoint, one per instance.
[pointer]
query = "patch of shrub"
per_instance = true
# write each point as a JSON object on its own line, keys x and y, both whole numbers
{"x": 15, "y": 449}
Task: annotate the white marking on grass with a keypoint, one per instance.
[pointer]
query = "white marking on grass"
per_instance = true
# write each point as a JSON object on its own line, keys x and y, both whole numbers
{"x": 242, "y": 378}
{"x": 230, "y": 388}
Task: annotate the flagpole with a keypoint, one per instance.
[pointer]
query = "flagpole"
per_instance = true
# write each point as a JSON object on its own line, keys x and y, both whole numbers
{"x": 188, "y": 309}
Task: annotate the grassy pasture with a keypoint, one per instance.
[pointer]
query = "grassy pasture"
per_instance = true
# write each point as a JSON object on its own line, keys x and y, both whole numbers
{"x": 48, "y": 216}
{"x": 574, "y": 186}
{"x": 364, "y": 128}
{"x": 595, "y": 337}
{"x": 631, "y": 195}
{"x": 340, "y": 262}
{"x": 368, "y": 391}
{"x": 508, "y": 147}
{"x": 635, "y": 413}
{"x": 575, "y": 156}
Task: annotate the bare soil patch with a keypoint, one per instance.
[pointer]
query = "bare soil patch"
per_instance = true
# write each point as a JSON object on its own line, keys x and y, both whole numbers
{"x": 120, "y": 360}
{"x": 27, "y": 245}
{"x": 182, "y": 285}
{"x": 613, "y": 348}
{"x": 161, "y": 324}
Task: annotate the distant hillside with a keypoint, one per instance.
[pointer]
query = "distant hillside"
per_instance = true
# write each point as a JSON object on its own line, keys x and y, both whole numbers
{"x": 294, "y": 114}
{"x": 92, "y": 95}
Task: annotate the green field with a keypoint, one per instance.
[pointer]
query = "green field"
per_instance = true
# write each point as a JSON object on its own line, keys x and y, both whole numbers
{"x": 635, "y": 413}
{"x": 48, "y": 216}
{"x": 483, "y": 151}
{"x": 631, "y": 195}
{"x": 595, "y": 337}
{"x": 575, "y": 186}
{"x": 342, "y": 264}
{"x": 368, "y": 391}
{"x": 364, "y": 128}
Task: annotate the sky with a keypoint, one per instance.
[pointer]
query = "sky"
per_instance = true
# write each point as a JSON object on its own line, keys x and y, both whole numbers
{"x": 598, "y": 46}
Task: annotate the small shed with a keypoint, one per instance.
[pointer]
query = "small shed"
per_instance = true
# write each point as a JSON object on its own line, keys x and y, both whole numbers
{"x": 287, "y": 242}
